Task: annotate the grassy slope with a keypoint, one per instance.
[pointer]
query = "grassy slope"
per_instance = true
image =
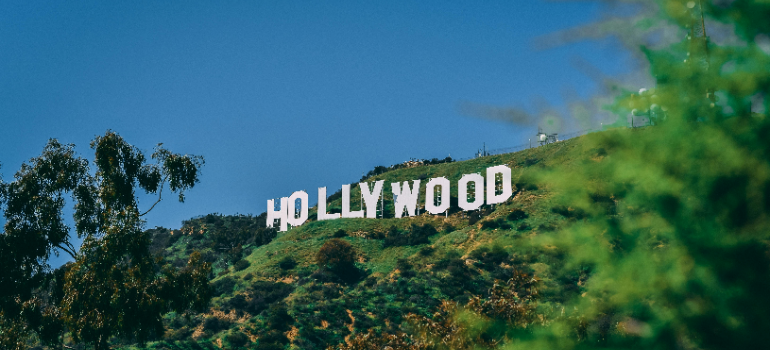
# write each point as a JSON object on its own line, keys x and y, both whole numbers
{"x": 303, "y": 242}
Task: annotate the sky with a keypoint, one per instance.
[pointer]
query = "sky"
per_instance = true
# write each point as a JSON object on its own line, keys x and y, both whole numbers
{"x": 280, "y": 96}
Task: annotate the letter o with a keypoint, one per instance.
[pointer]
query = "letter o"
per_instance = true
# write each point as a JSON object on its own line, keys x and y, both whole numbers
{"x": 430, "y": 195}
{"x": 462, "y": 192}
{"x": 291, "y": 219}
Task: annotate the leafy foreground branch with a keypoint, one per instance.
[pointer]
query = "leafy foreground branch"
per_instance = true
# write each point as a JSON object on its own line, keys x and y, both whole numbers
{"x": 115, "y": 287}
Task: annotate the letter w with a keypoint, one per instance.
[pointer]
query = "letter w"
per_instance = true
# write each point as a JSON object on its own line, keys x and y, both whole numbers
{"x": 406, "y": 198}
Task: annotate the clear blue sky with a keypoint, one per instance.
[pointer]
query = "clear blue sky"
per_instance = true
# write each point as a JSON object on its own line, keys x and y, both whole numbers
{"x": 280, "y": 96}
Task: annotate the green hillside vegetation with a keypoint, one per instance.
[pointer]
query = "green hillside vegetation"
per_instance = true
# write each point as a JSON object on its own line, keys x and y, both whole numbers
{"x": 403, "y": 266}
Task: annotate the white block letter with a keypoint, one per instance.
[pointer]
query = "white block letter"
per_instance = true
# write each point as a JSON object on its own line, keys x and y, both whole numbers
{"x": 462, "y": 191}
{"x": 406, "y": 198}
{"x": 293, "y": 220}
{"x": 346, "y": 213}
{"x": 430, "y": 191}
{"x": 280, "y": 214}
{"x": 371, "y": 197}
{"x": 322, "y": 215}
{"x": 493, "y": 198}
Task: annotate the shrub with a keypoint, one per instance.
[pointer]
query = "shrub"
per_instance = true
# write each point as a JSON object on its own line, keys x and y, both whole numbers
{"x": 287, "y": 263}
{"x": 223, "y": 286}
{"x": 517, "y": 214}
{"x": 416, "y": 236}
{"x": 215, "y": 324}
{"x": 488, "y": 258}
{"x": 241, "y": 265}
{"x": 476, "y": 215}
{"x": 235, "y": 254}
{"x": 569, "y": 213}
{"x": 178, "y": 334}
{"x": 208, "y": 256}
{"x": 405, "y": 268}
{"x": 426, "y": 251}
{"x": 265, "y": 235}
{"x": 336, "y": 252}
{"x": 237, "y": 302}
{"x": 336, "y": 259}
{"x": 490, "y": 225}
{"x": 460, "y": 280}
{"x": 278, "y": 318}
{"x": 340, "y": 233}
{"x": 237, "y": 339}
{"x": 264, "y": 294}
{"x": 522, "y": 186}
{"x": 272, "y": 340}
{"x": 493, "y": 224}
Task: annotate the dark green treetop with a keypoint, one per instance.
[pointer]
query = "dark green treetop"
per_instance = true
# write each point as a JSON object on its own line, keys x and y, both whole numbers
{"x": 114, "y": 287}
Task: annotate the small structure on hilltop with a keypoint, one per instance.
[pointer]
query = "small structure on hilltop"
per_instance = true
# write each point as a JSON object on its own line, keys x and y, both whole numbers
{"x": 544, "y": 138}
{"x": 412, "y": 163}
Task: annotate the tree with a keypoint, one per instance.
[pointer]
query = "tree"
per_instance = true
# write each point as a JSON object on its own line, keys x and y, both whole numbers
{"x": 114, "y": 287}
{"x": 679, "y": 258}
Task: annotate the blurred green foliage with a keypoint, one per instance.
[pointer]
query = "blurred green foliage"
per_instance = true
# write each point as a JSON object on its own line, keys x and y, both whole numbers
{"x": 673, "y": 222}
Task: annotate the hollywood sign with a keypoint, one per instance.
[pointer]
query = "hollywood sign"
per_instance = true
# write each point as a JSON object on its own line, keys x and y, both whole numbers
{"x": 405, "y": 198}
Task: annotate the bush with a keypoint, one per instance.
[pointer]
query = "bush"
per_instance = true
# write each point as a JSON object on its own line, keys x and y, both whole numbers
{"x": 517, "y": 214}
{"x": 416, "y": 236}
{"x": 237, "y": 302}
{"x": 278, "y": 318}
{"x": 335, "y": 253}
{"x": 287, "y": 263}
{"x": 426, "y": 251}
{"x": 241, "y": 265}
{"x": 223, "y": 286}
{"x": 460, "y": 282}
{"x": 272, "y": 340}
{"x": 178, "y": 334}
{"x": 234, "y": 254}
{"x": 237, "y": 339}
{"x": 476, "y": 215}
{"x": 265, "y": 235}
{"x": 526, "y": 186}
{"x": 488, "y": 258}
{"x": 405, "y": 268}
{"x": 493, "y": 224}
{"x": 336, "y": 259}
{"x": 569, "y": 213}
{"x": 490, "y": 225}
{"x": 340, "y": 233}
{"x": 264, "y": 294}
{"x": 215, "y": 324}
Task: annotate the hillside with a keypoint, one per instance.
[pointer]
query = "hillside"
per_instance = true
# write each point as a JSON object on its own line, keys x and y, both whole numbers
{"x": 270, "y": 292}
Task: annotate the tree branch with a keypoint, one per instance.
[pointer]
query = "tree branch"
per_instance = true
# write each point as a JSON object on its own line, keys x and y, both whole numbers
{"x": 70, "y": 252}
{"x": 160, "y": 197}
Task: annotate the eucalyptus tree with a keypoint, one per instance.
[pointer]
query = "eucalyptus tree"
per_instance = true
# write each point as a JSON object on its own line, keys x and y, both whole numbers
{"x": 114, "y": 287}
